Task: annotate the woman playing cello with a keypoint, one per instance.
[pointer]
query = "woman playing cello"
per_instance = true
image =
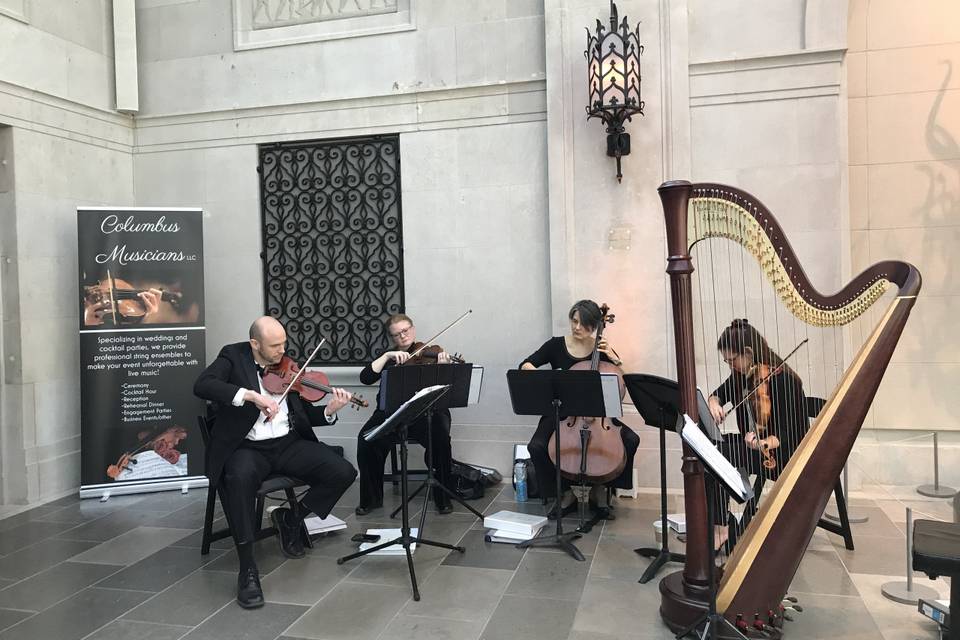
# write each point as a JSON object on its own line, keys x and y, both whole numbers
{"x": 562, "y": 352}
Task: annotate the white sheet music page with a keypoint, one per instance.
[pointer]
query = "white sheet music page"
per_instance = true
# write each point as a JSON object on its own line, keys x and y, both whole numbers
{"x": 712, "y": 457}
{"x": 610, "y": 383}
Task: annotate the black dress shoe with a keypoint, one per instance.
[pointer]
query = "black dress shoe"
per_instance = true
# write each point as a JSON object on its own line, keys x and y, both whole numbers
{"x": 567, "y": 510}
{"x": 249, "y": 593}
{"x": 291, "y": 542}
{"x": 362, "y": 511}
{"x": 604, "y": 513}
{"x": 445, "y": 508}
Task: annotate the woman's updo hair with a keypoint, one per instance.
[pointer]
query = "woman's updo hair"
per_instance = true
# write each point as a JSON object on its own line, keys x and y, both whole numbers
{"x": 589, "y": 311}
{"x": 740, "y": 335}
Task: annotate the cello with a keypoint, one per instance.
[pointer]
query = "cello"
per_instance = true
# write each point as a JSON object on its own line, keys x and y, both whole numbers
{"x": 591, "y": 449}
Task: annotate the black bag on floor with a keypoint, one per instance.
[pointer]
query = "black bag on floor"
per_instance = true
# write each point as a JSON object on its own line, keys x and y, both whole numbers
{"x": 467, "y": 480}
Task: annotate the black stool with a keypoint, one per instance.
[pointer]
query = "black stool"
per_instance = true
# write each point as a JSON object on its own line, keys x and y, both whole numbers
{"x": 936, "y": 552}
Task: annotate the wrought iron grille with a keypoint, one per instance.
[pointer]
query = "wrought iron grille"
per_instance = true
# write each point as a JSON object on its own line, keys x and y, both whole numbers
{"x": 332, "y": 244}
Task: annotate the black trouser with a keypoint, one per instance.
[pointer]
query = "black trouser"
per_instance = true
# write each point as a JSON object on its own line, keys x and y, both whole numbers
{"x": 546, "y": 472}
{"x": 735, "y": 449}
{"x": 372, "y": 455}
{"x": 328, "y": 474}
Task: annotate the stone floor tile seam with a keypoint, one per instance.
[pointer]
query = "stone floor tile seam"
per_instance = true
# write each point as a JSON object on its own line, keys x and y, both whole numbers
{"x": 204, "y": 621}
{"x": 67, "y": 597}
{"x": 185, "y": 628}
{"x": 503, "y": 594}
{"x": 54, "y": 566}
{"x": 163, "y": 591}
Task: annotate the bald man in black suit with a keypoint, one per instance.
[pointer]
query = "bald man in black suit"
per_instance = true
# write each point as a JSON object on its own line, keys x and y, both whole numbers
{"x": 255, "y": 435}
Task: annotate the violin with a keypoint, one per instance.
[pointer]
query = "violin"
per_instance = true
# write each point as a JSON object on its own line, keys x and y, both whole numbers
{"x": 164, "y": 445}
{"x": 311, "y": 385}
{"x": 429, "y": 355}
{"x": 124, "y": 302}
{"x": 762, "y": 406}
{"x": 591, "y": 448}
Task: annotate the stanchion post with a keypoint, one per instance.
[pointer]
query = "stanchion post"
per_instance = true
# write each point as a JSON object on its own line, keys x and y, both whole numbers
{"x": 907, "y": 592}
{"x": 852, "y": 516}
{"x": 936, "y": 490}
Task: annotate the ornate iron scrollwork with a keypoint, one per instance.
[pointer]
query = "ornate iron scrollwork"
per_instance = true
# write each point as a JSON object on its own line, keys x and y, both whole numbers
{"x": 332, "y": 243}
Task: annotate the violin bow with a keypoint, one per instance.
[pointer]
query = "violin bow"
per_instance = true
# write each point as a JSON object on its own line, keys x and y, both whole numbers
{"x": 113, "y": 304}
{"x": 302, "y": 369}
{"x": 427, "y": 343}
{"x": 773, "y": 370}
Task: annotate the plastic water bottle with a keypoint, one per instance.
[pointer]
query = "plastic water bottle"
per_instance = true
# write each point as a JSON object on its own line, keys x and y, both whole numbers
{"x": 520, "y": 481}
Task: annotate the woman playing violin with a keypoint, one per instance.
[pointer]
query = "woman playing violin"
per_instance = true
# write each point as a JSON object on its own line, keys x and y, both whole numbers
{"x": 372, "y": 455}
{"x": 771, "y": 409}
{"x": 562, "y": 352}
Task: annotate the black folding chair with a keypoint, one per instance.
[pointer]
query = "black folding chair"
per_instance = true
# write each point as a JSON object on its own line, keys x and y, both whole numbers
{"x": 814, "y": 406}
{"x": 272, "y": 484}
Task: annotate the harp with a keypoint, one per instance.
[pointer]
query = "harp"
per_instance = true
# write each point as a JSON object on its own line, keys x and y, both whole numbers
{"x": 758, "y": 573}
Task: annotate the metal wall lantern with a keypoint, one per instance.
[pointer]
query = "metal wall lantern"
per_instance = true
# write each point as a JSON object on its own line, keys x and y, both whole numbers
{"x": 613, "y": 71}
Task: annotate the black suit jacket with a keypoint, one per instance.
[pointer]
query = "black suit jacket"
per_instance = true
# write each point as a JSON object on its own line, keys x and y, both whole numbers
{"x": 233, "y": 369}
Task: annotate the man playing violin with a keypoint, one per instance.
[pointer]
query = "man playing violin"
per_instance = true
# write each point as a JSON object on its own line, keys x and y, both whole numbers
{"x": 372, "y": 455}
{"x": 256, "y": 434}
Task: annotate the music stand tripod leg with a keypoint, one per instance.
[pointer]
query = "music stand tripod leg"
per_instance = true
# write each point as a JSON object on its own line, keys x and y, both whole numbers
{"x": 561, "y": 540}
{"x": 405, "y": 539}
{"x": 431, "y": 482}
{"x": 662, "y": 555}
{"x": 711, "y": 620}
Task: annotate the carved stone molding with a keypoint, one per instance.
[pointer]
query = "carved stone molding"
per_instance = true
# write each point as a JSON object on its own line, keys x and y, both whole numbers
{"x": 16, "y": 9}
{"x": 279, "y": 13}
{"x": 272, "y": 23}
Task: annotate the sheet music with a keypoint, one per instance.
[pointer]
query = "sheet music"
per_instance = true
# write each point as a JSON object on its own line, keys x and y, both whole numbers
{"x": 711, "y": 456}
{"x": 706, "y": 418}
{"x": 149, "y": 464}
{"x": 388, "y": 423}
{"x": 476, "y": 380}
{"x": 610, "y": 383}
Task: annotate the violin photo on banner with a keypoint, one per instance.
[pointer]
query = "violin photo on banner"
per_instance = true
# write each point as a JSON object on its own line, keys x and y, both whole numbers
{"x": 113, "y": 301}
{"x": 156, "y": 456}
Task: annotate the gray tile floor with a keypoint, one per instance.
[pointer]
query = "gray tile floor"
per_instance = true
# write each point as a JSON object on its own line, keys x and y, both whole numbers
{"x": 131, "y": 568}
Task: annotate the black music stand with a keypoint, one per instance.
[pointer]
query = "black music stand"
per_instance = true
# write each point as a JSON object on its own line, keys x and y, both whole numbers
{"x": 541, "y": 393}
{"x": 658, "y": 402}
{"x": 716, "y": 470}
{"x": 399, "y": 384}
{"x": 398, "y": 422}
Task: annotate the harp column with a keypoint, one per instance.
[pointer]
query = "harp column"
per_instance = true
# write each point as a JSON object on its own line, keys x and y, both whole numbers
{"x": 684, "y": 594}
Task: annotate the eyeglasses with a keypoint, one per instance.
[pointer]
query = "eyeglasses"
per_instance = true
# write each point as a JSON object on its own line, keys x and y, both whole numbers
{"x": 402, "y": 333}
{"x": 731, "y": 359}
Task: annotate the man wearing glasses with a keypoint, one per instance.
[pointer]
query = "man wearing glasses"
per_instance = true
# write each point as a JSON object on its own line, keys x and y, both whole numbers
{"x": 372, "y": 455}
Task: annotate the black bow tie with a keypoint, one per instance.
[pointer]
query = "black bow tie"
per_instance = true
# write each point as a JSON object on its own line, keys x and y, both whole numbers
{"x": 260, "y": 370}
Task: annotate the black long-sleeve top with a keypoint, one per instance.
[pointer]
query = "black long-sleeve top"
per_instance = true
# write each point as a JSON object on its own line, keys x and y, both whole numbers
{"x": 369, "y": 376}
{"x": 788, "y": 411}
{"x": 554, "y": 352}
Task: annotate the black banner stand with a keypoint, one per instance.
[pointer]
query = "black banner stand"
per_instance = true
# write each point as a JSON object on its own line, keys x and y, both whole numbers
{"x": 399, "y": 384}
{"x": 398, "y": 423}
{"x": 657, "y": 400}
{"x": 716, "y": 469}
{"x": 541, "y": 393}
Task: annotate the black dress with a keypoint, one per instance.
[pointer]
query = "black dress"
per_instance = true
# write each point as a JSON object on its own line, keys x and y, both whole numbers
{"x": 554, "y": 352}
{"x": 372, "y": 455}
{"x": 789, "y": 422}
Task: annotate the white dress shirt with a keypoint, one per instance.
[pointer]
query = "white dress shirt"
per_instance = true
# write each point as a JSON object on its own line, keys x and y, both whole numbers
{"x": 279, "y": 425}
